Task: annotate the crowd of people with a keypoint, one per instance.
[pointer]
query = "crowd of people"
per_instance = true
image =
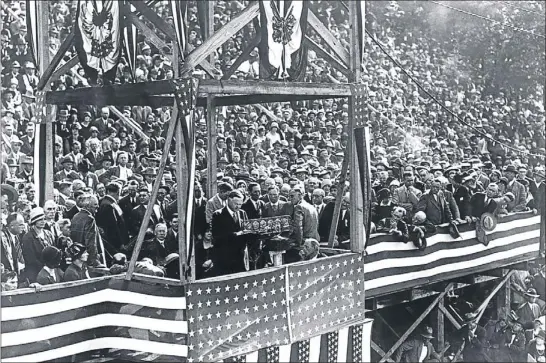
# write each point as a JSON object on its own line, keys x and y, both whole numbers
{"x": 429, "y": 167}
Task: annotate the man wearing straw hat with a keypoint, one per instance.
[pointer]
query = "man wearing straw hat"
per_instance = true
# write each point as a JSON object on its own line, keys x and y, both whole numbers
{"x": 529, "y": 310}
{"x": 418, "y": 349}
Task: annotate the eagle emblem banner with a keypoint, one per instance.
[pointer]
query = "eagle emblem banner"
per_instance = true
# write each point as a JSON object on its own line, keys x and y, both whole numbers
{"x": 98, "y": 41}
{"x": 282, "y": 51}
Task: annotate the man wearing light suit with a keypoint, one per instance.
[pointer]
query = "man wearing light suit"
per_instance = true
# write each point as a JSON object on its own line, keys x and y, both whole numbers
{"x": 407, "y": 196}
{"x": 219, "y": 201}
{"x": 275, "y": 207}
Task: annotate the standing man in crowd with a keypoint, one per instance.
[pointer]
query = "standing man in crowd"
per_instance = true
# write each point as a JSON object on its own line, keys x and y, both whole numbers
{"x": 84, "y": 230}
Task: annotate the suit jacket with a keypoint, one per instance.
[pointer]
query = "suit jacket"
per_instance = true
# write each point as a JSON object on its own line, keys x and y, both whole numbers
{"x": 520, "y": 194}
{"x": 8, "y": 253}
{"x": 251, "y": 210}
{"x": 95, "y": 160}
{"x": 213, "y": 204}
{"x": 453, "y": 207}
{"x": 33, "y": 246}
{"x": 156, "y": 251}
{"x": 114, "y": 171}
{"x": 84, "y": 230}
{"x": 438, "y": 212}
{"x": 271, "y": 211}
{"x": 126, "y": 204}
{"x": 102, "y": 126}
{"x": 137, "y": 218}
{"x": 325, "y": 221}
{"x": 411, "y": 350}
{"x": 91, "y": 180}
{"x": 44, "y": 278}
{"x": 305, "y": 222}
{"x": 462, "y": 197}
{"x": 28, "y": 145}
{"x": 478, "y": 207}
{"x": 228, "y": 252}
{"x": 407, "y": 198}
{"x": 110, "y": 218}
{"x": 71, "y": 212}
{"x": 200, "y": 224}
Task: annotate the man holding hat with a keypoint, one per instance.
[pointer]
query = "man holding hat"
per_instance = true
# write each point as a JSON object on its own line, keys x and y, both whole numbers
{"x": 34, "y": 242}
{"x": 516, "y": 188}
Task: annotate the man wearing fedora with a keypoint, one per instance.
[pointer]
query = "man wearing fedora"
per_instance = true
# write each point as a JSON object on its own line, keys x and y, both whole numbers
{"x": 516, "y": 188}
{"x": 529, "y": 310}
{"x": 418, "y": 349}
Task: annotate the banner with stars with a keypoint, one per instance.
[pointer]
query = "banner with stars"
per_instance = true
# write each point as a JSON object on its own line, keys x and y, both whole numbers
{"x": 237, "y": 315}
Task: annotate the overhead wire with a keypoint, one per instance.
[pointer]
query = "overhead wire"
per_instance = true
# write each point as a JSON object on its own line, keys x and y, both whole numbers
{"x": 418, "y": 84}
{"x": 521, "y": 30}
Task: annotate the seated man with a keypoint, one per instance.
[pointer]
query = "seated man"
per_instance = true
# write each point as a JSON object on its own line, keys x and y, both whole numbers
{"x": 310, "y": 250}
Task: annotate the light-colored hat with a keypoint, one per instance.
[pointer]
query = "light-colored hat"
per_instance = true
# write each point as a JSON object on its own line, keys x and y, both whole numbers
{"x": 36, "y": 214}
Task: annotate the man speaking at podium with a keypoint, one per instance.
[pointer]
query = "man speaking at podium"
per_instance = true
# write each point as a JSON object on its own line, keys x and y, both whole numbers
{"x": 230, "y": 239}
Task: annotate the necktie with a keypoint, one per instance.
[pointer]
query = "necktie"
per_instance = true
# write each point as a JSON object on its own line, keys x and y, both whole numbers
{"x": 236, "y": 218}
{"x": 18, "y": 249}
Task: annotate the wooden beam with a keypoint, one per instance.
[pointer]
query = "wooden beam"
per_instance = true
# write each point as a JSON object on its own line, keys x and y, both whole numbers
{"x": 415, "y": 324}
{"x": 378, "y": 350}
{"x": 143, "y": 90}
{"x": 65, "y": 68}
{"x": 449, "y": 316}
{"x": 153, "y": 198}
{"x": 212, "y": 134}
{"x": 341, "y": 192}
{"x": 438, "y": 324}
{"x": 378, "y": 314}
{"x": 237, "y": 23}
{"x": 150, "y": 35}
{"x": 243, "y": 56}
{"x": 155, "y": 19}
{"x": 322, "y": 53}
{"x": 268, "y": 113}
{"x": 66, "y": 44}
{"x": 211, "y": 71}
{"x": 256, "y": 99}
{"x": 503, "y": 301}
{"x": 329, "y": 38}
{"x": 129, "y": 123}
{"x": 484, "y": 304}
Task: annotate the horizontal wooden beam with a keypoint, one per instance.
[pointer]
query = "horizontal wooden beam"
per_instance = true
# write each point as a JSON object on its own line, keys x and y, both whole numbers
{"x": 140, "y": 93}
{"x": 329, "y": 38}
{"x": 216, "y": 40}
{"x": 155, "y": 19}
{"x": 66, "y": 44}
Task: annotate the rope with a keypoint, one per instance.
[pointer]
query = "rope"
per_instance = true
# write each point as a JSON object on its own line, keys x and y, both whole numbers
{"x": 489, "y": 19}
{"x": 443, "y": 106}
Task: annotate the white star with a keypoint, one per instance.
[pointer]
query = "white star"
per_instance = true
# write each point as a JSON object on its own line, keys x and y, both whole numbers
{"x": 291, "y": 274}
{"x": 273, "y": 279}
{"x": 209, "y": 329}
{"x": 284, "y": 315}
{"x": 343, "y": 308}
{"x": 218, "y": 315}
{"x": 307, "y": 307}
{"x": 299, "y": 298}
{"x": 352, "y": 260}
{"x": 209, "y": 316}
{"x": 359, "y": 269}
{"x": 227, "y": 288}
{"x": 208, "y": 290}
{"x": 345, "y": 263}
{"x": 299, "y": 273}
{"x": 275, "y": 329}
{"x": 238, "y": 324}
{"x": 245, "y": 297}
{"x": 257, "y": 333}
{"x": 264, "y": 281}
{"x": 218, "y": 289}
{"x": 211, "y": 356}
{"x": 208, "y": 303}
{"x": 291, "y": 287}
{"x": 330, "y": 278}
{"x": 190, "y": 306}
{"x": 322, "y": 314}
{"x": 246, "y": 309}
{"x": 219, "y": 327}
{"x": 236, "y": 311}
{"x": 236, "y": 299}
{"x": 282, "y": 288}
{"x": 199, "y": 291}
{"x": 307, "y": 271}
{"x": 275, "y": 317}
{"x": 200, "y": 331}
{"x": 272, "y": 292}
{"x": 300, "y": 309}
{"x": 281, "y": 277}
{"x": 189, "y": 292}
{"x": 201, "y": 345}
{"x": 245, "y": 285}
{"x": 335, "y": 287}
{"x": 217, "y": 302}
{"x": 274, "y": 304}
{"x": 317, "y": 328}
{"x": 329, "y": 311}
{"x": 228, "y": 313}
{"x": 191, "y": 319}
{"x": 358, "y": 281}
{"x": 265, "y": 306}
{"x": 321, "y": 303}
{"x": 192, "y": 333}
{"x": 336, "y": 310}
{"x": 264, "y": 293}
{"x": 256, "y": 308}
{"x": 283, "y": 302}
{"x": 299, "y": 285}
{"x": 254, "y": 296}
{"x": 226, "y": 300}
{"x": 248, "y": 335}
{"x": 330, "y": 266}
{"x": 248, "y": 322}
{"x": 236, "y": 287}
{"x": 255, "y": 283}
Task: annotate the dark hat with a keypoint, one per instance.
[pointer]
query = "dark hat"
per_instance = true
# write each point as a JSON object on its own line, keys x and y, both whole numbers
{"x": 51, "y": 256}
{"x": 541, "y": 334}
{"x": 419, "y": 242}
{"x": 510, "y": 169}
{"x": 27, "y": 160}
{"x": 76, "y": 250}
{"x": 469, "y": 317}
{"x": 428, "y": 332}
{"x": 531, "y": 293}
{"x": 454, "y": 230}
{"x": 67, "y": 159}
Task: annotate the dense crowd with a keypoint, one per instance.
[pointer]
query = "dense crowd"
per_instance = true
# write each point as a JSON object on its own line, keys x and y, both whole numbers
{"x": 428, "y": 167}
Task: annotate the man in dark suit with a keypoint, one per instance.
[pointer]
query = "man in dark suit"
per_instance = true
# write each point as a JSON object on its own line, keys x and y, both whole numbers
{"x": 434, "y": 205}
{"x": 110, "y": 218}
{"x": 516, "y": 188}
{"x": 481, "y": 203}
{"x": 128, "y": 202}
{"x": 200, "y": 217}
{"x": 413, "y": 349}
{"x": 94, "y": 156}
{"x": 102, "y": 123}
{"x": 138, "y": 212}
{"x": 254, "y": 206}
{"x": 275, "y": 207}
{"x": 159, "y": 247}
{"x": 229, "y": 236}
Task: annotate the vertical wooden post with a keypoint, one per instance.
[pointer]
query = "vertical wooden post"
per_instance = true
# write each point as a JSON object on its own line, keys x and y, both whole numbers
{"x": 181, "y": 181}
{"x": 503, "y": 300}
{"x": 43, "y": 38}
{"x": 357, "y": 219}
{"x": 438, "y": 324}
{"x": 211, "y": 147}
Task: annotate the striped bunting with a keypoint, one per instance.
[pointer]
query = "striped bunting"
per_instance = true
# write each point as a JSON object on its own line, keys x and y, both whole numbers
{"x": 344, "y": 345}
{"x": 130, "y": 33}
{"x": 32, "y": 27}
{"x": 104, "y": 313}
{"x": 180, "y": 12}
{"x": 393, "y": 266}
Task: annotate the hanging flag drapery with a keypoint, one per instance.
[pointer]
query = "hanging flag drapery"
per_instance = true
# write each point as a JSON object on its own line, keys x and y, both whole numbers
{"x": 130, "y": 33}
{"x": 32, "y": 29}
{"x": 361, "y": 10}
{"x": 98, "y": 38}
{"x": 282, "y": 51}
{"x": 180, "y": 10}
{"x": 40, "y": 142}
